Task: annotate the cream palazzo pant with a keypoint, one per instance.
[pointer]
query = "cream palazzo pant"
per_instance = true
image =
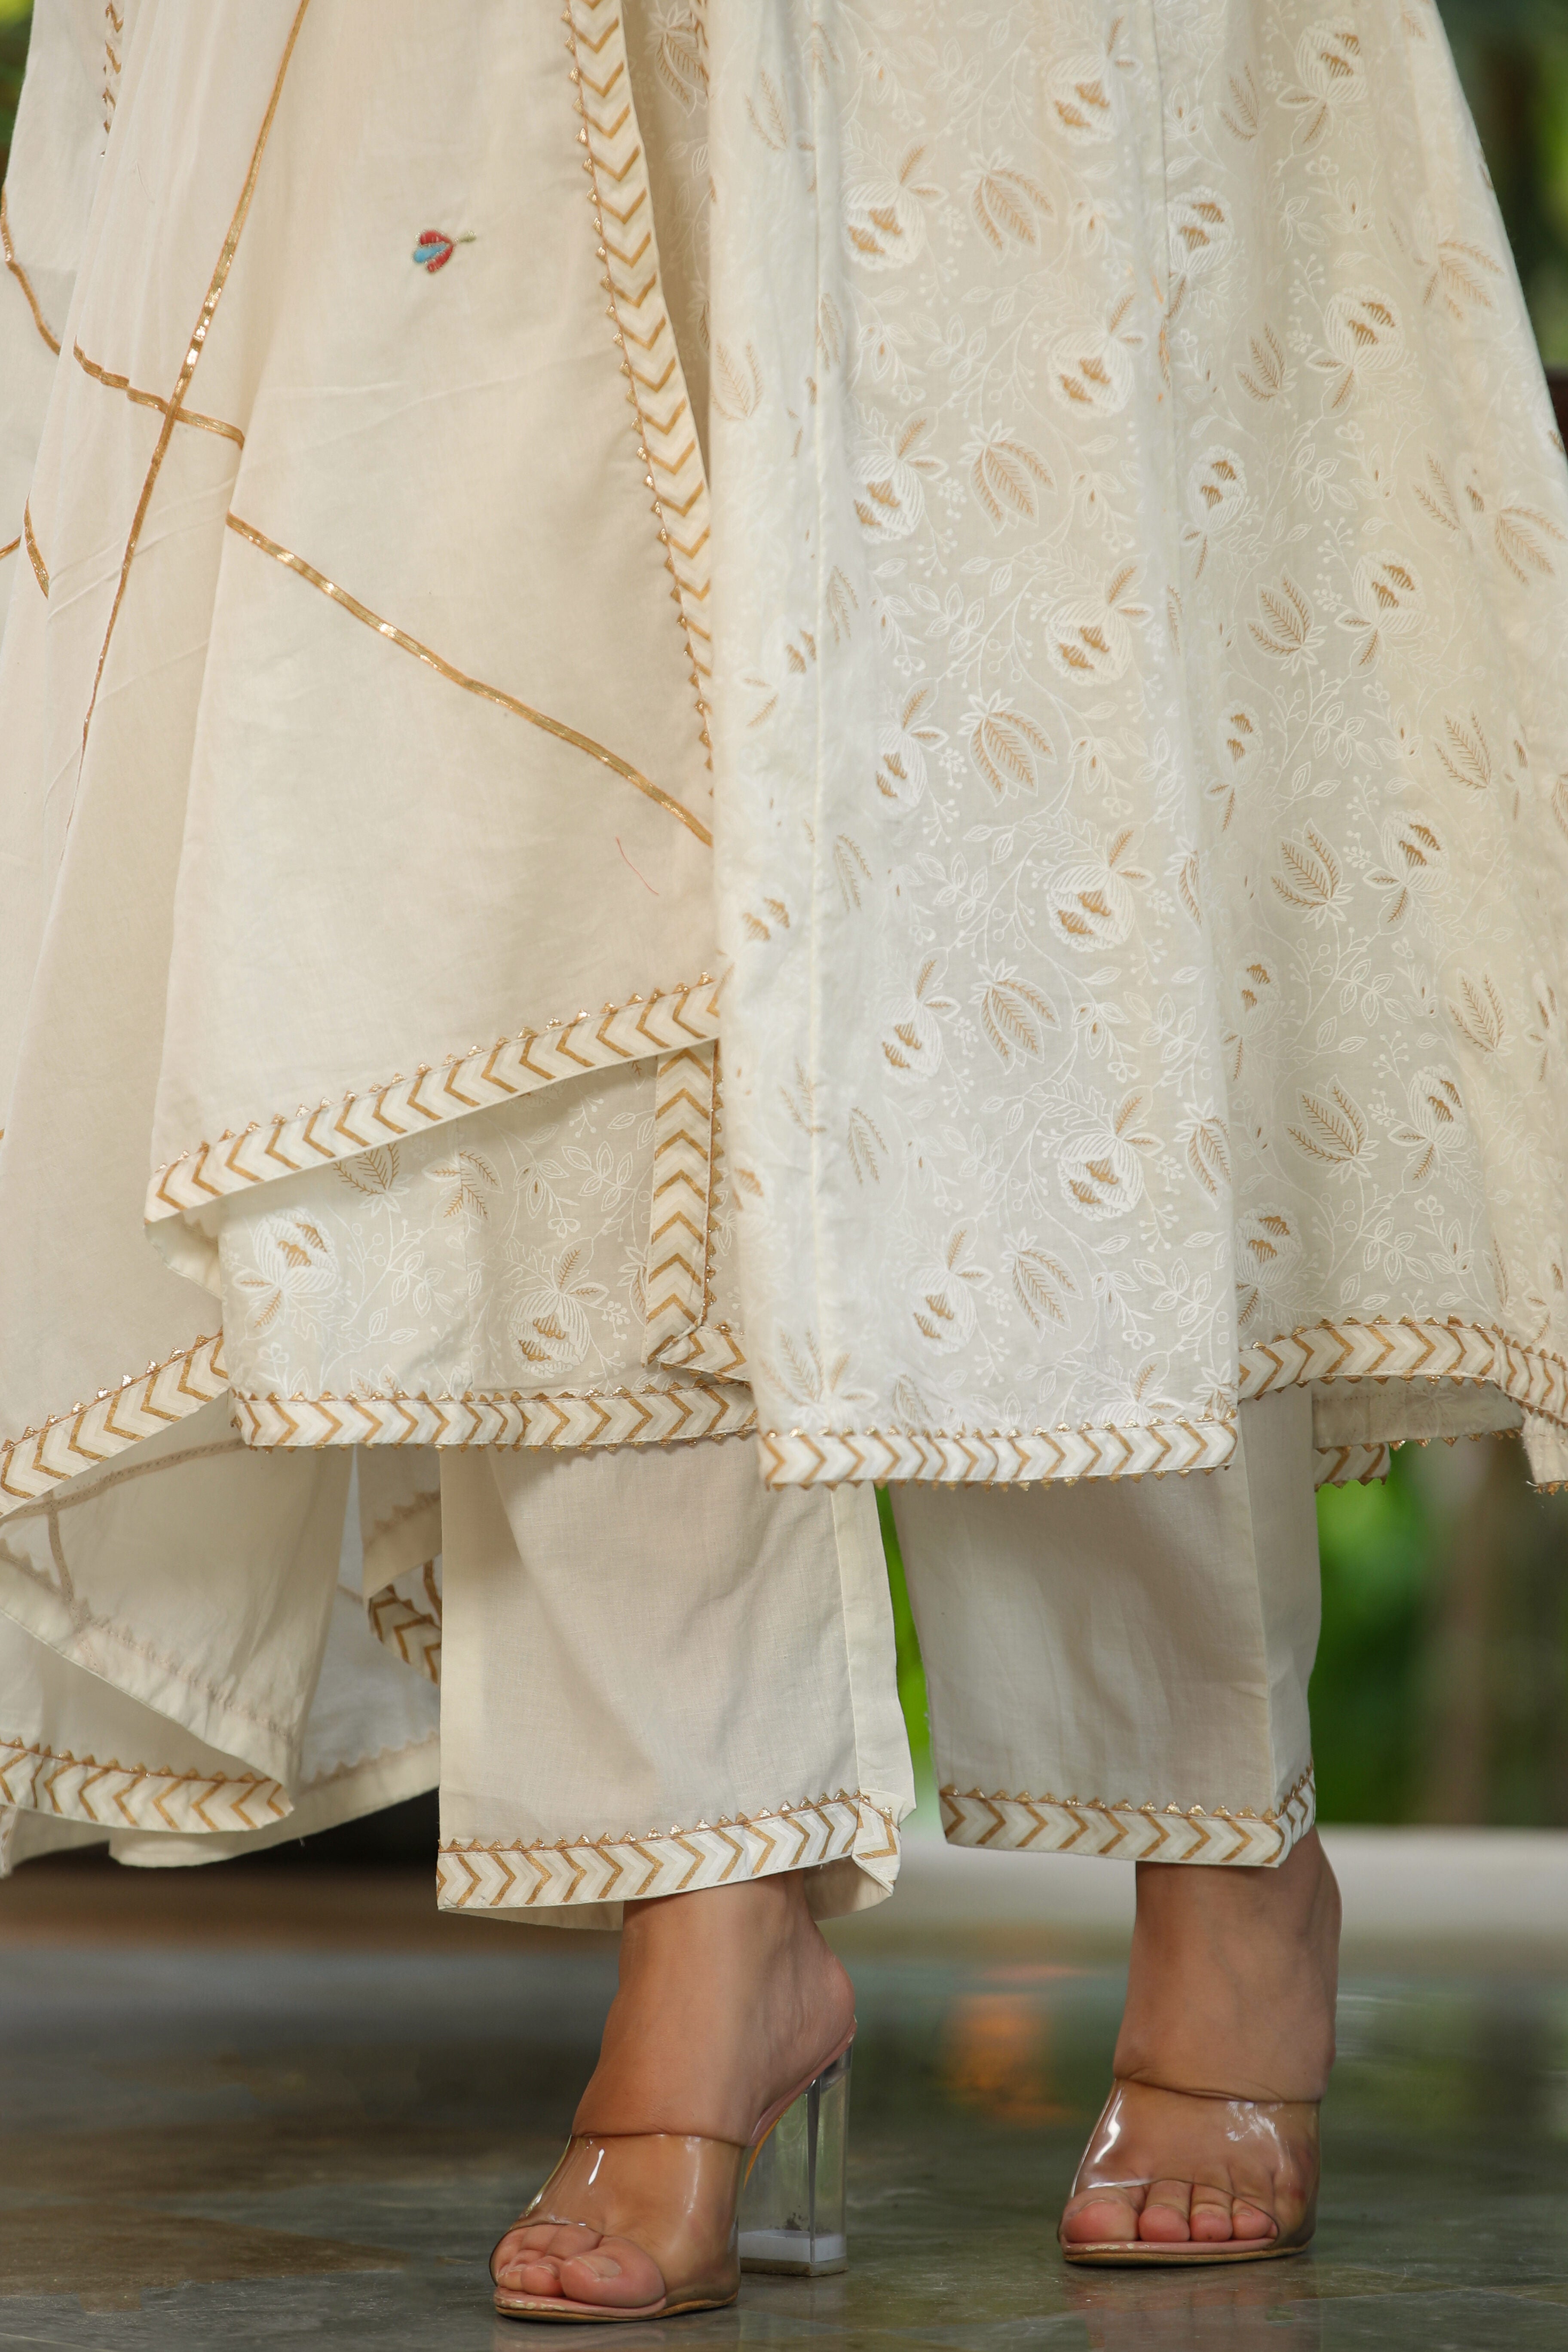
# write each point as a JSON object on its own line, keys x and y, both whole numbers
{"x": 658, "y": 1676}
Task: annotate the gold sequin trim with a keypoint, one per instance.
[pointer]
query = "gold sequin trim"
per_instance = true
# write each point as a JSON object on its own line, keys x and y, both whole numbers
{"x": 20, "y": 275}
{"x": 40, "y": 568}
{"x": 4, "y": 552}
{"x": 113, "y": 383}
{"x": 1124, "y": 1831}
{"x": 474, "y": 1876}
{"x": 197, "y": 343}
{"x": 67, "y": 1443}
{"x": 456, "y": 677}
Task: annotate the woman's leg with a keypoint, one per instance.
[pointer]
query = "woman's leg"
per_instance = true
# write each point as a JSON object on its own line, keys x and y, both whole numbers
{"x": 668, "y": 1695}
{"x": 1121, "y": 1669}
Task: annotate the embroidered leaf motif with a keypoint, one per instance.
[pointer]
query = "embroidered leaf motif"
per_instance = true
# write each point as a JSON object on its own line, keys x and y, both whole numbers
{"x": 1009, "y": 750}
{"x": 1478, "y": 1014}
{"x": 1005, "y": 202}
{"x": 1335, "y": 1127}
{"x": 1312, "y": 874}
{"x": 1004, "y": 473}
{"x": 1040, "y": 1284}
{"x": 1467, "y": 754}
{"x": 1015, "y": 1018}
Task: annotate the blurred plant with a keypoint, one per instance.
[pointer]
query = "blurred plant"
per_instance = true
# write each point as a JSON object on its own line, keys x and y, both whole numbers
{"x": 15, "y": 15}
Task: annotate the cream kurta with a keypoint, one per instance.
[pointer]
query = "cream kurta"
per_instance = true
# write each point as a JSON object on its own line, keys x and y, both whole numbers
{"x": 1138, "y": 542}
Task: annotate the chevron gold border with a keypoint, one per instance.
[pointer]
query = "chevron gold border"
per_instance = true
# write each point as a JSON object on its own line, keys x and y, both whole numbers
{"x": 69, "y": 1443}
{"x": 683, "y": 1138}
{"x": 1128, "y": 1833}
{"x": 410, "y": 1627}
{"x": 665, "y": 1023}
{"x": 475, "y": 1876}
{"x": 623, "y": 216}
{"x": 713, "y": 1352}
{"x": 136, "y": 1796}
{"x": 1350, "y": 1465}
{"x": 1413, "y": 1347}
{"x": 799, "y": 1457}
{"x": 650, "y": 1415}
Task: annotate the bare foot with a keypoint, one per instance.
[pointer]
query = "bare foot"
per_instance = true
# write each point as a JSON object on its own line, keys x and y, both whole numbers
{"x": 1230, "y": 1998}
{"x": 728, "y": 1998}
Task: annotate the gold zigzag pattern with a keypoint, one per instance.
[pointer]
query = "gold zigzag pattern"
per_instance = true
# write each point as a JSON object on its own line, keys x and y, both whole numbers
{"x": 1124, "y": 1831}
{"x": 683, "y": 1138}
{"x": 68, "y": 1443}
{"x": 472, "y": 1877}
{"x": 1409, "y": 1349}
{"x": 415, "y": 1633}
{"x": 651, "y": 1415}
{"x": 623, "y": 217}
{"x": 380, "y": 1114}
{"x": 136, "y": 1796}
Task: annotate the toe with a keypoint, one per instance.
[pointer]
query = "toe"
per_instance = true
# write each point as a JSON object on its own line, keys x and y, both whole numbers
{"x": 616, "y": 2272}
{"x": 1165, "y": 2219}
{"x": 1103, "y": 2217}
{"x": 1252, "y": 2222}
{"x": 528, "y": 2261}
{"x": 1211, "y": 2215}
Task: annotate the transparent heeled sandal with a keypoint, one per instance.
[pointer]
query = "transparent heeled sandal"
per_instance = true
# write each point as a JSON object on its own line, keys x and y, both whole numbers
{"x": 702, "y": 2209}
{"x": 1261, "y": 2153}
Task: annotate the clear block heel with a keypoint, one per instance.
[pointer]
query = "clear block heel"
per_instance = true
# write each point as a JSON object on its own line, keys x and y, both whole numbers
{"x": 791, "y": 2206}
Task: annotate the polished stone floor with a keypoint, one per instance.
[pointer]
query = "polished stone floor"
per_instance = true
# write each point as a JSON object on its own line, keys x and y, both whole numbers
{"x": 285, "y": 2124}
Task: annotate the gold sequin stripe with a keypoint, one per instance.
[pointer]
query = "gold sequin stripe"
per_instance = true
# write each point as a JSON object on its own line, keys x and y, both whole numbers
{"x": 472, "y": 1877}
{"x": 193, "y": 350}
{"x": 683, "y": 1192}
{"x": 798, "y": 1457}
{"x": 1128, "y": 1833}
{"x": 10, "y": 549}
{"x": 623, "y": 217}
{"x": 454, "y": 676}
{"x": 68, "y": 1443}
{"x": 113, "y": 383}
{"x": 40, "y": 568}
{"x": 20, "y": 275}
{"x": 477, "y": 1080}
{"x": 136, "y": 1796}
{"x": 649, "y": 1415}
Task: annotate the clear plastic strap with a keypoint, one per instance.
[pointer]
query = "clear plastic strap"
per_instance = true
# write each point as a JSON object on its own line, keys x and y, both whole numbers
{"x": 792, "y": 2207}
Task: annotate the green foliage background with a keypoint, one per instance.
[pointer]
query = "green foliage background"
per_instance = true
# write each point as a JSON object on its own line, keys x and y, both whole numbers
{"x": 1441, "y": 1692}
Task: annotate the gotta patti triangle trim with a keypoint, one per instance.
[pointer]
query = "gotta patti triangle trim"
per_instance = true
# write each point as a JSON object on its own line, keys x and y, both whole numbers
{"x": 38, "y": 1461}
{"x": 473, "y": 1876}
{"x": 136, "y": 1796}
{"x": 665, "y": 1023}
{"x": 648, "y": 1415}
{"x": 1128, "y": 1833}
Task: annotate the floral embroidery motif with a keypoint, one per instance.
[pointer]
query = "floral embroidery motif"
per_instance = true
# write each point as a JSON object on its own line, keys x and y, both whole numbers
{"x": 435, "y": 248}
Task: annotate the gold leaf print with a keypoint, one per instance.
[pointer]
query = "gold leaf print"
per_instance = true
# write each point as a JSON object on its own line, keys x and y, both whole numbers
{"x": 1416, "y": 853}
{"x": 1200, "y": 227}
{"x": 1187, "y": 886}
{"x": 1521, "y": 534}
{"x": 1437, "y": 1117}
{"x": 800, "y": 1101}
{"x": 1312, "y": 874}
{"x": 737, "y": 385}
{"x": 1265, "y": 380}
{"x": 1015, "y": 1018}
{"x": 1462, "y": 272}
{"x": 850, "y": 868}
{"x": 1239, "y": 739}
{"x": 1244, "y": 113}
{"x": 866, "y": 1140}
{"x": 1334, "y": 1128}
{"x": 375, "y": 1173}
{"x": 1478, "y": 1014}
{"x": 1435, "y": 494}
{"x": 681, "y": 60}
{"x": 1009, "y": 749}
{"x": 1040, "y": 1284}
{"x": 768, "y": 116}
{"x": 1005, "y": 204}
{"x": 1465, "y": 753}
{"x": 1081, "y": 99}
{"x": 1287, "y": 628}
{"x": 840, "y": 601}
{"x": 1004, "y": 473}
{"x": 1208, "y": 1156}
{"x": 883, "y": 223}
{"x": 1365, "y": 337}
{"x": 467, "y": 1173}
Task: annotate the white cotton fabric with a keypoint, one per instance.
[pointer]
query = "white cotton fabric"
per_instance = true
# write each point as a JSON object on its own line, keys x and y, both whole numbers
{"x": 1141, "y": 576}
